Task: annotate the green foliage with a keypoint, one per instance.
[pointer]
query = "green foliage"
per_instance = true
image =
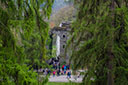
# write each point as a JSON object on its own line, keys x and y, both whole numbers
{"x": 99, "y": 41}
{"x": 54, "y": 51}
{"x": 23, "y": 35}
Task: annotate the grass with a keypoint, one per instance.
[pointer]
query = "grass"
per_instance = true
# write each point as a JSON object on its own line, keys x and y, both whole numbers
{"x": 61, "y": 83}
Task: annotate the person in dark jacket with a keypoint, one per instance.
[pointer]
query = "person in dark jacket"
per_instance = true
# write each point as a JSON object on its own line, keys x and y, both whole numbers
{"x": 58, "y": 72}
{"x": 68, "y": 74}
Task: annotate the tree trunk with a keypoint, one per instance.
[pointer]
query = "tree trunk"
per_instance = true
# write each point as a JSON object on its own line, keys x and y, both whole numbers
{"x": 110, "y": 72}
{"x": 110, "y": 80}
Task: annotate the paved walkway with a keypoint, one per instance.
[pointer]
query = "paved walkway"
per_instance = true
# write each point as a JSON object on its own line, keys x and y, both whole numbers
{"x": 63, "y": 78}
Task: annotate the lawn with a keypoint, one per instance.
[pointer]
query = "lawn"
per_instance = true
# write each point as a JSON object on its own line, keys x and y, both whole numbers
{"x": 61, "y": 83}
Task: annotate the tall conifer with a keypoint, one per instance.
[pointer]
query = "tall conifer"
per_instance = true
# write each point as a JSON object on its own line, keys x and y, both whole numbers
{"x": 18, "y": 20}
{"x": 99, "y": 41}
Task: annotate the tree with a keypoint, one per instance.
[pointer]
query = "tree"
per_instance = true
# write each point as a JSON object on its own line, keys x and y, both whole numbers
{"x": 99, "y": 41}
{"x": 18, "y": 20}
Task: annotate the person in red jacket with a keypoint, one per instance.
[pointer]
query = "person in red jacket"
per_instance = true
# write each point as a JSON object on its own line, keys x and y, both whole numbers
{"x": 63, "y": 68}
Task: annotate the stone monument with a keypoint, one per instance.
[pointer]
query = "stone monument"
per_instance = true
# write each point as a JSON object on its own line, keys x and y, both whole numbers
{"x": 60, "y": 35}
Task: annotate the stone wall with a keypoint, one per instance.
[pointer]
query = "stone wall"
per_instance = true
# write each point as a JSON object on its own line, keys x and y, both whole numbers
{"x": 63, "y": 33}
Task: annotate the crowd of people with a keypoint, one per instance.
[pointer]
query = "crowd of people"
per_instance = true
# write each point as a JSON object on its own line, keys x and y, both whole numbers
{"x": 57, "y": 69}
{"x": 65, "y": 70}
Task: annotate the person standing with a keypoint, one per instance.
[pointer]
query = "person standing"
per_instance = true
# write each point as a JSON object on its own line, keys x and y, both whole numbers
{"x": 54, "y": 73}
{"x": 65, "y": 68}
{"x": 68, "y": 67}
{"x": 68, "y": 74}
{"x": 58, "y": 72}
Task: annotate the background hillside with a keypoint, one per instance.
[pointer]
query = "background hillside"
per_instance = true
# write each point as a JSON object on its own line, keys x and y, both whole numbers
{"x": 58, "y": 4}
{"x": 62, "y": 12}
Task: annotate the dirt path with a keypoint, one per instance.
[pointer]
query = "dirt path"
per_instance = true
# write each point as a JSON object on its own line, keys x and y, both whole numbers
{"x": 63, "y": 78}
